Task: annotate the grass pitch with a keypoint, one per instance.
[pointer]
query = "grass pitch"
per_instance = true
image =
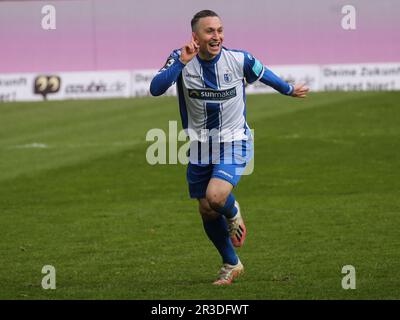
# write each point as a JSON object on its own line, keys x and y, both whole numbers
{"x": 77, "y": 193}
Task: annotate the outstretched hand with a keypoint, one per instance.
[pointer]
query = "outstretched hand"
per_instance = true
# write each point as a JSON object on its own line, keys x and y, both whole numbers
{"x": 188, "y": 51}
{"x": 300, "y": 91}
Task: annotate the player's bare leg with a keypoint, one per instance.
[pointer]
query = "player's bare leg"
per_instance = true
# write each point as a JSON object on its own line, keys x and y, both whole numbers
{"x": 217, "y": 192}
{"x": 206, "y": 212}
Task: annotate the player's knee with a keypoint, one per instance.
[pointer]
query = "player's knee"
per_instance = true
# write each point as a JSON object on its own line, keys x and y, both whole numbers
{"x": 216, "y": 200}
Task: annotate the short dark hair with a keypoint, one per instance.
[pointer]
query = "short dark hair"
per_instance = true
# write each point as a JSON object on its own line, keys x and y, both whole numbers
{"x": 202, "y": 14}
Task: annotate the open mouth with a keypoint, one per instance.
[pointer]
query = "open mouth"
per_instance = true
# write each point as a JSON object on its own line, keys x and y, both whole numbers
{"x": 215, "y": 45}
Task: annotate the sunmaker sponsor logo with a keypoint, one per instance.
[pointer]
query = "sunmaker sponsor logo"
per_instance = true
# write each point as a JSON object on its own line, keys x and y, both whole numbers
{"x": 214, "y": 95}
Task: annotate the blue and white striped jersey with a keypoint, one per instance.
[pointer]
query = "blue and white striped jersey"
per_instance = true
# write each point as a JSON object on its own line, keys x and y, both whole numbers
{"x": 211, "y": 93}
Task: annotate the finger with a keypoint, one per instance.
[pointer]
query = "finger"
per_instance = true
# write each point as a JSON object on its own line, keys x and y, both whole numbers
{"x": 194, "y": 43}
{"x": 303, "y": 88}
{"x": 194, "y": 40}
{"x": 301, "y": 94}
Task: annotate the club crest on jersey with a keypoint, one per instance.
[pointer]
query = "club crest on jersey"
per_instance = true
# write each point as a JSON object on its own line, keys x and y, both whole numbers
{"x": 227, "y": 77}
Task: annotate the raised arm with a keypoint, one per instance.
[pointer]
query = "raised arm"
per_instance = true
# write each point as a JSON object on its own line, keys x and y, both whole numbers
{"x": 168, "y": 75}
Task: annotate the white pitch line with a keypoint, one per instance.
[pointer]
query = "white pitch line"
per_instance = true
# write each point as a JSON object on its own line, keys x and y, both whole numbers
{"x": 37, "y": 145}
{"x": 32, "y": 146}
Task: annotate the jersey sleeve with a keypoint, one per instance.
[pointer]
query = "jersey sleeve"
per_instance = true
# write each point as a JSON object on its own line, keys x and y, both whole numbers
{"x": 253, "y": 69}
{"x": 271, "y": 79}
{"x": 167, "y": 75}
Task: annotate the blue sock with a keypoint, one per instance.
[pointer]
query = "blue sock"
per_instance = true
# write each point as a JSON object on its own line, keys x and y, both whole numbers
{"x": 228, "y": 210}
{"x": 217, "y": 232}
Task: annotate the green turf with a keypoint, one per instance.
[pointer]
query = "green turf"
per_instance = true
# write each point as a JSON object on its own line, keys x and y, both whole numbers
{"x": 325, "y": 193}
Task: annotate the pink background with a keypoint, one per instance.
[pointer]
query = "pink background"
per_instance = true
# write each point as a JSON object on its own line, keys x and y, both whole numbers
{"x": 130, "y": 34}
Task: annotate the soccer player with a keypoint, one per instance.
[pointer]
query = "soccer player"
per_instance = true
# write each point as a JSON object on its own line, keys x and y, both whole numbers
{"x": 211, "y": 92}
